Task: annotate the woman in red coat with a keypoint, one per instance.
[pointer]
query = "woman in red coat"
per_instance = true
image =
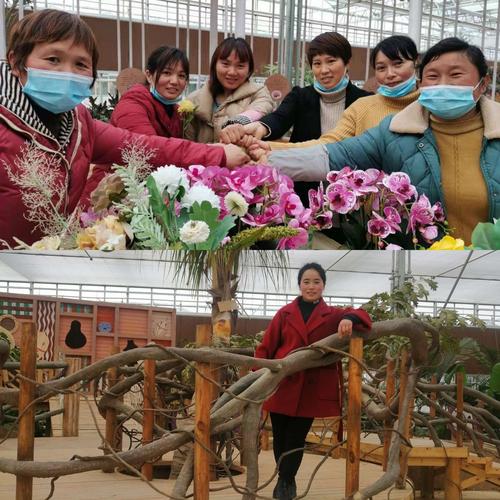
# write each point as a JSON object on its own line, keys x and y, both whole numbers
{"x": 316, "y": 392}
{"x": 152, "y": 109}
{"x": 52, "y": 64}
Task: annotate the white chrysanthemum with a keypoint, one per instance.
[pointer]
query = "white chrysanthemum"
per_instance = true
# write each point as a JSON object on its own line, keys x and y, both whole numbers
{"x": 235, "y": 204}
{"x": 200, "y": 193}
{"x": 194, "y": 231}
{"x": 170, "y": 178}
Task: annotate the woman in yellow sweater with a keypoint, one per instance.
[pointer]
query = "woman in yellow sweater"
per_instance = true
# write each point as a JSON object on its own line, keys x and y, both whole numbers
{"x": 393, "y": 60}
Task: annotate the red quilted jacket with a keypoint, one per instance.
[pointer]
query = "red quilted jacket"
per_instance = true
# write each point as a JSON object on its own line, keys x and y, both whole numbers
{"x": 139, "y": 112}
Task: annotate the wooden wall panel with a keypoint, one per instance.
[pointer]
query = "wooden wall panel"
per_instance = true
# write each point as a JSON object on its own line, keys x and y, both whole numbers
{"x": 133, "y": 323}
{"x": 104, "y": 346}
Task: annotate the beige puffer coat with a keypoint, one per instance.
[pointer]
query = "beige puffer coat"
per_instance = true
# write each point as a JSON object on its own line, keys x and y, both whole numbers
{"x": 246, "y": 104}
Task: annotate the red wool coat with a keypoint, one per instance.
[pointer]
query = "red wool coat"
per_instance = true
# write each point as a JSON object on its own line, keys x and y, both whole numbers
{"x": 91, "y": 141}
{"x": 139, "y": 112}
{"x": 315, "y": 392}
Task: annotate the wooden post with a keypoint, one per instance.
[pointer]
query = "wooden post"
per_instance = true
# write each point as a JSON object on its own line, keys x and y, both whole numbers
{"x": 432, "y": 412}
{"x": 149, "y": 415}
{"x": 390, "y": 390}
{"x": 354, "y": 418}
{"x": 113, "y": 438}
{"x": 452, "y": 479}
{"x": 403, "y": 383}
{"x": 203, "y": 395}
{"x": 26, "y": 430}
{"x": 459, "y": 376}
{"x": 71, "y": 403}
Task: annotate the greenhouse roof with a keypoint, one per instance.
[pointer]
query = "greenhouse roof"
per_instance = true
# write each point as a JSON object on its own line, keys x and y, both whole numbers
{"x": 474, "y": 277}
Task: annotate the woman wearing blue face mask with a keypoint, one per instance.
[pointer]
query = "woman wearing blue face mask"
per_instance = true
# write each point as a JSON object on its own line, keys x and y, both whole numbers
{"x": 393, "y": 61}
{"x": 52, "y": 64}
{"x": 314, "y": 109}
{"x": 448, "y": 141}
{"x": 151, "y": 109}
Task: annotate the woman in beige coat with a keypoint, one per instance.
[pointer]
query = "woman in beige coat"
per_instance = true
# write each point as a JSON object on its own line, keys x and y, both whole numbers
{"x": 228, "y": 97}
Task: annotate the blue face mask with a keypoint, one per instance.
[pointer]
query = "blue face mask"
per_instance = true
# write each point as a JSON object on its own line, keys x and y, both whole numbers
{"x": 164, "y": 100}
{"x": 57, "y": 91}
{"x": 340, "y": 86}
{"x": 399, "y": 90}
{"x": 448, "y": 101}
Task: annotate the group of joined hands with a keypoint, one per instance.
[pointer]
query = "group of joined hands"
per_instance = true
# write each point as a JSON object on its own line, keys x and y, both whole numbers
{"x": 242, "y": 144}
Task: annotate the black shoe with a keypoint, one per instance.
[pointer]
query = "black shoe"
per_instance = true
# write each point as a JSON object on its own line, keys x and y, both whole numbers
{"x": 277, "y": 492}
{"x": 288, "y": 490}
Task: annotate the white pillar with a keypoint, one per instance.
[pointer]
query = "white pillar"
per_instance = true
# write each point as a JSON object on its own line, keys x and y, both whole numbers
{"x": 118, "y": 38}
{"x": 415, "y": 21}
{"x": 2, "y": 31}
{"x": 214, "y": 25}
{"x": 239, "y": 22}
{"x": 497, "y": 54}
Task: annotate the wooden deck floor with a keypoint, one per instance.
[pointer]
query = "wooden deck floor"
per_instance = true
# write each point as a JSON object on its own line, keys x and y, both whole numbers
{"x": 96, "y": 485}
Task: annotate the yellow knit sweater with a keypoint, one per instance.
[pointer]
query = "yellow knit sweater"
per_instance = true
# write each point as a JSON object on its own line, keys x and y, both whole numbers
{"x": 465, "y": 193}
{"x": 364, "y": 113}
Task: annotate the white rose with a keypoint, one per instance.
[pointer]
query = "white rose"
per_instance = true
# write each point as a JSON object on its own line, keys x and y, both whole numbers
{"x": 200, "y": 193}
{"x": 235, "y": 204}
{"x": 170, "y": 178}
{"x": 194, "y": 231}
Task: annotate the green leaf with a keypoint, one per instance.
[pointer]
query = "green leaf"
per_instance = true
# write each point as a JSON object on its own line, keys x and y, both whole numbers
{"x": 218, "y": 228}
{"x": 220, "y": 232}
{"x": 486, "y": 236}
{"x": 156, "y": 201}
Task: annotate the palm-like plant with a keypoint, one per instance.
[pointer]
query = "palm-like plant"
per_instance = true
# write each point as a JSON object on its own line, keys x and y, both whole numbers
{"x": 221, "y": 271}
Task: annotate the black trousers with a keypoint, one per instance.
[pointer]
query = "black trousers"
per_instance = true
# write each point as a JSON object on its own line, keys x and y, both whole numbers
{"x": 289, "y": 433}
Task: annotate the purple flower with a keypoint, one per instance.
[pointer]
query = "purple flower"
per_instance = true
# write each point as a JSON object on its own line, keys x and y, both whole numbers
{"x": 272, "y": 214}
{"x": 340, "y": 198}
{"x": 290, "y": 204}
{"x": 89, "y": 217}
{"x": 379, "y": 227}
{"x": 399, "y": 184}
{"x": 393, "y": 218}
{"x": 392, "y": 246}
{"x": 429, "y": 233}
{"x": 292, "y": 242}
{"x": 323, "y": 220}
{"x": 316, "y": 198}
{"x": 438, "y": 211}
{"x": 362, "y": 182}
{"x": 421, "y": 213}
{"x": 334, "y": 176}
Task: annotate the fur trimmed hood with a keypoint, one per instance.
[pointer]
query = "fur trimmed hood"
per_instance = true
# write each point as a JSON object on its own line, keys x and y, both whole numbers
{"x": 414, "y": 119}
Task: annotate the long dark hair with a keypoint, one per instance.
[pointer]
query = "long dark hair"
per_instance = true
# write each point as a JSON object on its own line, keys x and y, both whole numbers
{"x": 223, "y": 51}
{"x": 166, "y": 56}
{"x": 395, "y": 47}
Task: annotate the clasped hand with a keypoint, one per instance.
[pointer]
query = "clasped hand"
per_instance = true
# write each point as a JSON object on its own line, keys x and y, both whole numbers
{"x": 247, "y": 137}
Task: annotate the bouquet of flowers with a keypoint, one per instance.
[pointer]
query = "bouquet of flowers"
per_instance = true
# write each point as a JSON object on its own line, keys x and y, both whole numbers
{"x": 199, "y": 208}
{"x": 376, "y": 210}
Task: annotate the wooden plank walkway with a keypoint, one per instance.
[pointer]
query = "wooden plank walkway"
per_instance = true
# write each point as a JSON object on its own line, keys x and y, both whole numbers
{"x": 328, "y": 483}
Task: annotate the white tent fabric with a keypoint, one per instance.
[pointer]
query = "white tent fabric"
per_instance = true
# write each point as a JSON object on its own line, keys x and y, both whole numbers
{"x": 349, "y": 273}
